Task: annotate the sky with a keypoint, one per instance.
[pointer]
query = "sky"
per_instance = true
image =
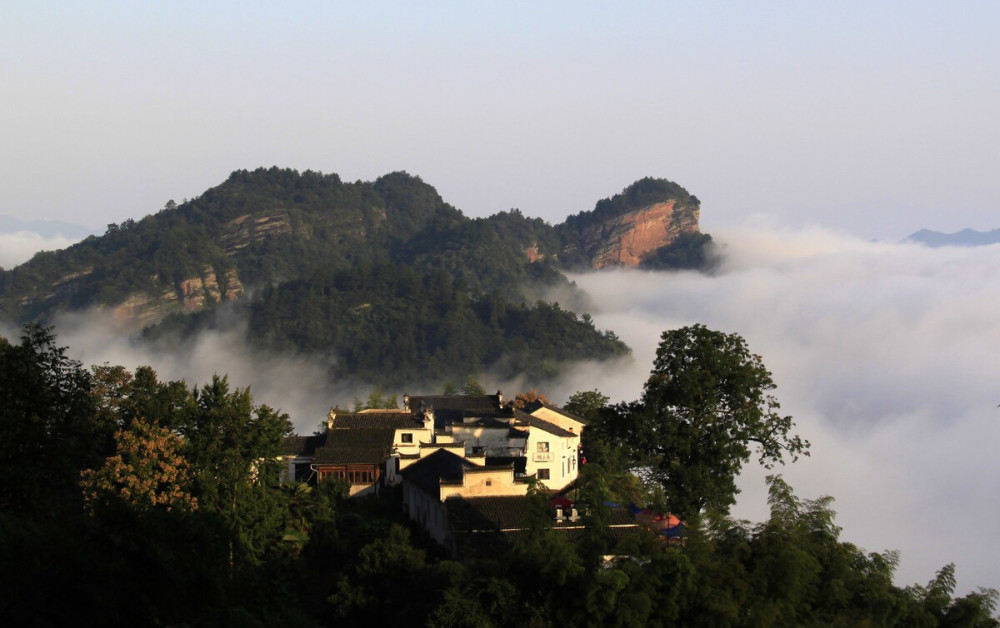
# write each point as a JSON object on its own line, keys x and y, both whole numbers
{"x": 816, "y": 135}
{"x": 873, "y": 118}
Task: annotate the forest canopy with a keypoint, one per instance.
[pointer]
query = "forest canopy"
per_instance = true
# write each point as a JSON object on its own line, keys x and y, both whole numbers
{"x": 210, "y": 536}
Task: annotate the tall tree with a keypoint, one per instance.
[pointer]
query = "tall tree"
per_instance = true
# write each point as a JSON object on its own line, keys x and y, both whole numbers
{"x": 706, "y": 408}
{"x": 233, "y": 445}
{"x": 46, "y": 423}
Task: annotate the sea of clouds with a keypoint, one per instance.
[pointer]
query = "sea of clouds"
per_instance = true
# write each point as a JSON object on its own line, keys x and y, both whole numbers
{"x": 886, "y": 356}
{"x": 884, "y": 353}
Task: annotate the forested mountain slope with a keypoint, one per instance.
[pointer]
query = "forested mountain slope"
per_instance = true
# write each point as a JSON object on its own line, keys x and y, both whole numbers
{"x": 385, "y": 274}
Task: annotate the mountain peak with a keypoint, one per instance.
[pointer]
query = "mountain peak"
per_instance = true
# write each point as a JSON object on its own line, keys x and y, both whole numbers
{"x": 965, "y": 237}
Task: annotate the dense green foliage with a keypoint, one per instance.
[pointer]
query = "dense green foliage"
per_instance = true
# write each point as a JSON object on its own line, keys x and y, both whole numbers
{"x": 383, "y": 277}
{"x": 268, "y": 225}
{"x": 393, "y": 324}
{"x": 689, "y": 251}
{"x": 257, "y": 553}
{"x": 705, "y": 409}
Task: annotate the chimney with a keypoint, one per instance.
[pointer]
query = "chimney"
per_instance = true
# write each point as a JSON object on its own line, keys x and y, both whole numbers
{"x": 500, "y": 398}
{"x": 406, "y": 401}
{"x": 330, "y": 418}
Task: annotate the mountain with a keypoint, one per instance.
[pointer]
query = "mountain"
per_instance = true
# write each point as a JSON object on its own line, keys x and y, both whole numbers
{"x": 633, "y": 227}
{"x": 965, "y": 237}
{"x": 384, "y": 275}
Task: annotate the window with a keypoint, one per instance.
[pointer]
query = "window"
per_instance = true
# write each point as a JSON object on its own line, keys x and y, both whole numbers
{"x": 543, "y": 446}
{"x": 543, "y": 474}
{"x": 406, "y": 438}
{"x": 332, "y": 474}
{"x": 477, "y": 451}
{"x": 489, "y": 482}
{"x": 361, "y": 476}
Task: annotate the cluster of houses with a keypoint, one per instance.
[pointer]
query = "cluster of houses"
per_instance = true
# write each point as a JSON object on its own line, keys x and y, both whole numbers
{"x": 464, "y": 464}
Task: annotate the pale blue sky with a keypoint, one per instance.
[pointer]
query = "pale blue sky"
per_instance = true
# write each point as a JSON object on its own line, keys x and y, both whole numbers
{"x": 875, "y": 118}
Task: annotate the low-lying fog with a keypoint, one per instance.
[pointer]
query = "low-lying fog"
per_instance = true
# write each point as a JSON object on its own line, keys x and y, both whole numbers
{"x": 883, "y": 353}
{"x": 886, "y": 356}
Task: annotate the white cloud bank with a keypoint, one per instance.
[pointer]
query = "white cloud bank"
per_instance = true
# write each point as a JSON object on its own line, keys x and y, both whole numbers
{"x": 886, "y": 356}
{"x": 297, "y": 386}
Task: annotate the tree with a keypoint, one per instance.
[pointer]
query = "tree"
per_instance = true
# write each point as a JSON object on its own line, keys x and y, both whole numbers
{"x": 378, "y": 399}
{"x": 123, "y": 397}
{"x": 147, "y": 471}
{"x": 587, "y": 403}
{"x": 525, "y": 399}
{"x": 974, "y": 610}
{"x": 233, "y": 445}
{"x": 705, "y": 409}
{"x": 472, "y": 387}
{"x": 46, "y": 423}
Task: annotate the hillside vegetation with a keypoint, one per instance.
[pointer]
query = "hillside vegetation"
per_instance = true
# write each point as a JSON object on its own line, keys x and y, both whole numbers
{"x": 384, "y": 275}
{"x": 154, "y": 504}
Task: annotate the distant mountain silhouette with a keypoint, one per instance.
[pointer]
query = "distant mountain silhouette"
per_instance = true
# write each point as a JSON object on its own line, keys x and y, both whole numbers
{"x": 965, "y": 237}
{"x": 44, "y": 228}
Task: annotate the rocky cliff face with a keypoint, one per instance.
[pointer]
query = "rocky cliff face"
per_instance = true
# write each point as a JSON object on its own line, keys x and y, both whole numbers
{"x": 190, "y": 295}
{"x": 626, "y": 239}
{"x": 249, "y": 228}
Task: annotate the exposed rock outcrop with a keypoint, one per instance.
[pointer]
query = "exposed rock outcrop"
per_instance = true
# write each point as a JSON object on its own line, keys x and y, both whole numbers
{"x": 141, "y": 309}
{"x": 242, "y": 231}
{"x": 631, "y": 227}
{"x": 533, "y": 253}
{"x": 625, "y": 240}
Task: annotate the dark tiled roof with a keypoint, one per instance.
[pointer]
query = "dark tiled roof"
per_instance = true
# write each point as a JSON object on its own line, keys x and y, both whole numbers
{"x": 519, "y": 462}
{"x": 373, "y": 420}
{"x": 509, "y": 513}
{"x": 537, "y": 405}
{"x": 459, "y": 445}
{"x": 440, "y": 466}
{"x": 456, "y": 402}
{"x": 621, "y": 517}
{"x": 454, "y": 408}
{"x": 302, "y": 445}
{"x": 488, "y": 526}
{"x": 355, "y": 445}
{"x": 551, "y": 428}
{"x": 487, "y": 422}
{"x": 466, "y": 514}
{"x": 490, "y": 468}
